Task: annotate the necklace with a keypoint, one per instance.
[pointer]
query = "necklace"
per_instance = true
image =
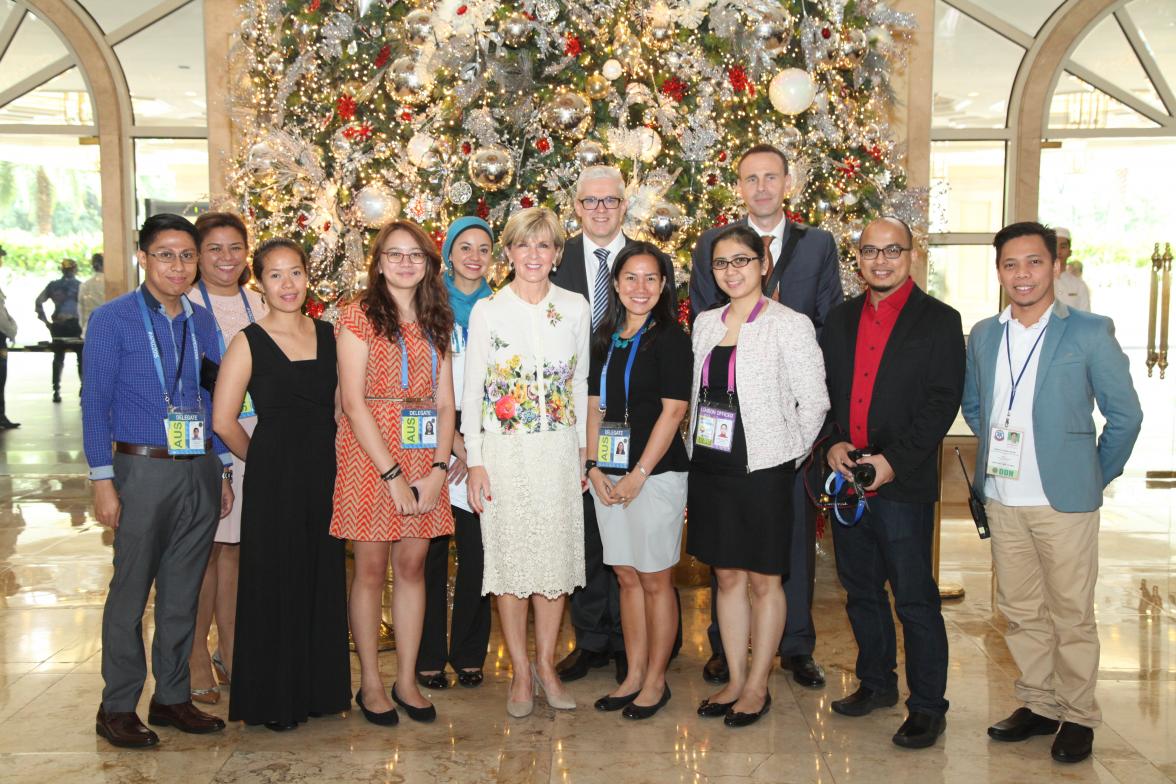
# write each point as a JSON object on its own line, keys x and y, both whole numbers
{"x": 620, "y": 342}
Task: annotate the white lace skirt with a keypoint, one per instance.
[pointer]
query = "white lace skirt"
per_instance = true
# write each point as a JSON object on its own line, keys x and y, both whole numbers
{"x": 533, "y": 530}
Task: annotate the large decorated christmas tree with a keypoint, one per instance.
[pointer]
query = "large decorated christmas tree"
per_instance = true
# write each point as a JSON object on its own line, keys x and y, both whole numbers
{"x": 357, "y": 112}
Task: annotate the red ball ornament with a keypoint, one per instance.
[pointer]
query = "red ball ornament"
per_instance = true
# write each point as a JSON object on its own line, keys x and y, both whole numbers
{"x": 542, "y": 144}
{"x": 466, "y": 148}
{"x": 826, "y": 33}
{"x": 406, "y": 116}
{"x": 461, "y": 9}
{"x": 722, "y": 155}
{"x": 526, "y": 202}
{"x": 438, "y": 237}
{"x": 721, "y": 219}
{"x": 315, "y": 309}
{"x": 483, "y": 210}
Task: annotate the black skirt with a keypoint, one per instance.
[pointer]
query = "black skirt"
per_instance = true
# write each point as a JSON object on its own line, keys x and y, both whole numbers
{"x": 741, "y": 521}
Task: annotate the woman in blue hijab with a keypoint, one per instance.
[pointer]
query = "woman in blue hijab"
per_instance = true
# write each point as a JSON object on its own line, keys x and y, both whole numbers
{"x": 466, "y": 253}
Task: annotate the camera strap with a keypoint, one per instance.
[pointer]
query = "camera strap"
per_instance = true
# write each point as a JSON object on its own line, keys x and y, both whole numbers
{"x": 796, "y": 233}
{"x": 837, "y": 487}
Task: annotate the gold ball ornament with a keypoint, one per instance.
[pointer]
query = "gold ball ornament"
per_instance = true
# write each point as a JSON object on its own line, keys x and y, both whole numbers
{"x": 491, "y": 168}
{"x": 327, "y": 290}
{"x": 596, "y": 86}
{"x": 568, "y": 114}
{"x": 418, "y": 27}
{"x": 403, "y": 80}
{"x": 515, "y": 29}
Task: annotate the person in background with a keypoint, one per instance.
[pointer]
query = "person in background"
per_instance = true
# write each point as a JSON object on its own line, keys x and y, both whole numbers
{"x": 1069, "y": 287}
{"x": 466, "y": 253}
{"x": 7, "y": 333}
{"x": 291, "y": 657}
{"x": 65, "y": 322}
{"x": 220, "y": 287}
{"x": 395, "y": 371}
{"x": 93, "y": 290}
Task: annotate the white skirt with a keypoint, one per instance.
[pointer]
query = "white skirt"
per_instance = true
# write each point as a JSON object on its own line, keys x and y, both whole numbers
{"x": 228, "y": 530}
{"x": 648, "y": 535}
{"x": 533, "y": 529}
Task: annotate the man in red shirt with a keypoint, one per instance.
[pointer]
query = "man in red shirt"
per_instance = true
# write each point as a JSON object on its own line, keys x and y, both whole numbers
{"x": 894, "y": 365}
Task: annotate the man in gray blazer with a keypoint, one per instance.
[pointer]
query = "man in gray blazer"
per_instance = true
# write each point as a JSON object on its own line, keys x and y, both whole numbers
{"x": 1034, "y": 373}
{"x": 802, "y": 274}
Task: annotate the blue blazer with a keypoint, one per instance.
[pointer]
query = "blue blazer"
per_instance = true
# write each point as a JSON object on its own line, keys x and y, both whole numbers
{"x": 1080, "y": 362}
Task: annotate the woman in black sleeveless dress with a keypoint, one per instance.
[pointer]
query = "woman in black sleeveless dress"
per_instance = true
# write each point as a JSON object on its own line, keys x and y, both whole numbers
{"x": 291, "y": 658}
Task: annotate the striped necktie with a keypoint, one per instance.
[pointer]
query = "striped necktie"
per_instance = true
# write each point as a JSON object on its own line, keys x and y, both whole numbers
{"x": 600, "y": 289}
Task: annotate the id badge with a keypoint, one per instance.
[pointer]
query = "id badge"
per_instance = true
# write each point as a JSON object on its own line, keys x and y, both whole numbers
{"x": 716, "y": 427}
{"x": 613, "y": 446}
{"x": 186, "y": 432}
{"x": 1004, "y": 452}
{"x": 247, "y": 409}
{"x": 418, "y": 428}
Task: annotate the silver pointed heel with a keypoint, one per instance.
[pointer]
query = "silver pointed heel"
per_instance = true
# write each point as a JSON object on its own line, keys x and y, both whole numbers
{"x": 522, "y": 708}
{"x": 555, "y": 701}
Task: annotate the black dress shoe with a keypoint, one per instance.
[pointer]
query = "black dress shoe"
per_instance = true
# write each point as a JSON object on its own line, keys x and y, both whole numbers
{"x": 736, "y": 718}
{"x": 919, "y": 730}
{"x": 1073, "y": 742}
{"x": 124, "y": 730}
{"x": 607, "y": 703}
{"x": 281, "y": 726}
{"x": 577, "y": 663}
{"x": 805, "y": 671}
{"x": 634, "y": 711}
{"x": 712, "y": 710}
{"x": 423, "y": 715}
{"x": 863, "y": 701}
{"x": 469, "y": 678}
{"x": 1021, "y": 725}
{"x": 389, "y": 718}
{"x": 622, "y": 662}
{"x": 715, "y": 670}
{"x": 436, "y": 680}
{"x": 8, "y": 424}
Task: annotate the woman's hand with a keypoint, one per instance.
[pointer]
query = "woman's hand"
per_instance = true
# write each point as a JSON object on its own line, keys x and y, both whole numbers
{"x": 602, "y": 486}
{"x": 457, "y": 471}
{"x": 478, "y": 487}
{"x": 402, "y": 497}
{"x": 628, "y": 488}
{"x": 429, "y": 486}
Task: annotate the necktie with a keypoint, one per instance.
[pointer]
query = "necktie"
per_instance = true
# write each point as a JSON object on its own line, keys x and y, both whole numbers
{"x": 600, "y": 289}
{"x": 769, "y": 266}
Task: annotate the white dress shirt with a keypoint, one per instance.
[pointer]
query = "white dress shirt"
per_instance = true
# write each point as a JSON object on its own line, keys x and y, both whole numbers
{"x": 1073, "y": 291}
{"x": 776, "y": 246}
{"x": 592, "y": 264}
{"x": 1026, "y": 489}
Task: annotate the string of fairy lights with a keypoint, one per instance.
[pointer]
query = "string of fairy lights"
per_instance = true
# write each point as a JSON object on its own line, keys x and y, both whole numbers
{"x": 360, "y": 111}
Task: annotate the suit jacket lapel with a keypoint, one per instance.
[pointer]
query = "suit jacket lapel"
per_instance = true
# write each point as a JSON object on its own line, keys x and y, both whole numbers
{"x": 1054, "y": 331}
{"x": 911, "y": 312}
{"x": 989, "y": 354}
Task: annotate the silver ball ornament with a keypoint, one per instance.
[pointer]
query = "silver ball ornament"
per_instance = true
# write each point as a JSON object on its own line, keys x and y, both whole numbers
{"x": 589, "y": 153}
{"x": 664, "y": 219}
{"x": 327, "y": 290}
{"x": 403, "y": 81}
{"x": 772, "y": 29}
{"x": 375, "y": 205}
{"x": 491, "y": 168}
{"x": 515, "y": 29}
{"x": 418, "y": 27}
{"x": 460, "y": 192}
{"x": 568, "y": 114}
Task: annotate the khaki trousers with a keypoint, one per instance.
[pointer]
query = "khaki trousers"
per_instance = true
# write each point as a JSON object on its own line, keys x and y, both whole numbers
{"x": 1046, "y": 566}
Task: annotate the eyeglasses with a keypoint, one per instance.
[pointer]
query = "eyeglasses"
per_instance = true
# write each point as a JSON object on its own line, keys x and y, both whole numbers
{"x": 169, "y": 257}
{"x": 592, "y": 202}
{"x": 398, "y": 256}
{"x": 735, "y": 261}
{"x": 869, "y": 252}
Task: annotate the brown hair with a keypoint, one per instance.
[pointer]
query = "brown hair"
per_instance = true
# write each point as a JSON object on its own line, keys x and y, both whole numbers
{"x": 762, "y": 148}
{"x": 209, "y": 221}
{"x": 430, "y": 299}
{"x": 269, "y": 246}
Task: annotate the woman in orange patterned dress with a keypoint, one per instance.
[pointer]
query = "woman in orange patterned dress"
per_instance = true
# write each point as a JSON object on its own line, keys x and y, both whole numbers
{"x": 394, "y": 380}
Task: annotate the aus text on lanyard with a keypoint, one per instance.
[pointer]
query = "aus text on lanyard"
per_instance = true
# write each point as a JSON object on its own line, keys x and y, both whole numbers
{"x": 247, "y": 409}
{"x": 1005, "y": 443}
{"x": 614, "y": 443}
{"x": 185, "y": 430}
{"x": 716, "y": 421}
{"x": 418, "y": 426}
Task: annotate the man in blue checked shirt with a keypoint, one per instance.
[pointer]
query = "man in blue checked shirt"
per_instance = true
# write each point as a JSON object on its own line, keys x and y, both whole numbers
{"x": 158, "y": 480}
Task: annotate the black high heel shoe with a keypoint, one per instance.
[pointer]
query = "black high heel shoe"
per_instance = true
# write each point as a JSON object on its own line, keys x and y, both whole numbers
{"x": 634, "y": 711}
{"x": 736, "y": 718}
{"x": 436, "y": 680}
{"x": 281, "y": 726}
{"x": 389, "y": 718}
{"x": 469, "y": 678}
{"x": 607, "y": 703}
{"x": 713, "y": 710}
{"x": 424, "y": 715}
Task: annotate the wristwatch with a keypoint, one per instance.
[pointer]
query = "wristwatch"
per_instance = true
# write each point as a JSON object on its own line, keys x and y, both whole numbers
{"x": 589, "y": 465}
{"x": 227, "y": 474}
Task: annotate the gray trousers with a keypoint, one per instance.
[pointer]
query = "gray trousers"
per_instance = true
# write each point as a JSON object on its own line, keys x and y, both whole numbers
{"x": 170, "y": 510}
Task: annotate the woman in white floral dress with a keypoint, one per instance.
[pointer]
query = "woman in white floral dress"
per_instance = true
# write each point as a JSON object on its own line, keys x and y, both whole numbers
{"x": 523, "y": 419}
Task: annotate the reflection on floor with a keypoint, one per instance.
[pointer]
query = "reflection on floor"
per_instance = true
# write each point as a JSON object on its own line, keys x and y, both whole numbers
{"x": 55, "y": 564}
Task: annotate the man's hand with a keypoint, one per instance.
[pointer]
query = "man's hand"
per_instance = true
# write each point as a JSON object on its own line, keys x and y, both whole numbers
{"x": 884, "y": 473}
{"x": 838, "y": 458}
{"x": 107, "y": 506}
{"x": 226, "y": 497}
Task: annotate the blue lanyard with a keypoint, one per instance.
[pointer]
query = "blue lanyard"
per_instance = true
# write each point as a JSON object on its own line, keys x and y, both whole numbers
{"x": 155, "y": 355}
{"x": 404, "y": 365}
{"x": 1017, "y": 381}
{"x": 208, "y": 304}
{"x": 833, "y": 487}
{"x": 603, "y": 406}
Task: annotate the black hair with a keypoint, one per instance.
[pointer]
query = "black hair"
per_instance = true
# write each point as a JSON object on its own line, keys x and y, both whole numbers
{"x": 761, "y": 148}
{"x": 165, "y": 221}
{"x": 1026, "y": 229}
{"x": 97, "y": 261}
{"x": 663, "y": 312}
{"x": 741, "y": 233}
{"x": 267, "y": 247}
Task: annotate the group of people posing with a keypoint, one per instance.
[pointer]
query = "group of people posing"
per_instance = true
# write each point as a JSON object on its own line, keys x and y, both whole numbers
{"x": 235, "y": 444}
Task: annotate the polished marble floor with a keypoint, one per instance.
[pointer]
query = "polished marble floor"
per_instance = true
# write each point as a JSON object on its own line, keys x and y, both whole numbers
{"x": 55, "y": 564}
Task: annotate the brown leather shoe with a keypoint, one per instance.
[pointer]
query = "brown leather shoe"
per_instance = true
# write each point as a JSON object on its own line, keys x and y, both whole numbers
{"x": 184, "y": 717}
{"x": 124, "y": 730}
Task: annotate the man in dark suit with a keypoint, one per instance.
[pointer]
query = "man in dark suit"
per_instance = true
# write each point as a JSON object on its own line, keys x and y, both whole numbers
{"x": 802, "y": 273}
{"x": 586, "y": 268}
{"x": 894, "y": 364}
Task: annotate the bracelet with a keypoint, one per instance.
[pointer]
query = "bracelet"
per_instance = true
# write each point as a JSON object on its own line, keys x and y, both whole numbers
{"x": 391, "y": 473}
{"x": 440, "y": 464}
{"x": 589, "y": 465}
{"x": 227, "y": 474}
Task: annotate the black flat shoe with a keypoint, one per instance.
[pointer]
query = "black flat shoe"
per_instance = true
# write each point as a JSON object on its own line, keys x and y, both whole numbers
{"x": 713, "y": 710}
{"x": 863, "y": 701}
{"x": 1073, "y": 743}
{"x": 576, "y": 664}
{"x": 804, "y": 671}
{"x": 281, "y": 726}
{"x": 919, "y": 731}
{"x": 736, "y": 718}
{"x": 389, "y": 718}
{"x": 437, "y": 680}
{"x": 608, "y": 704}
{"x": 634, "y": 711}
{"x": 715, "y": 670}
{"x": 423, "y": 715}
{"x": 1021, "y": 725}
{"x": 470, "y": 679}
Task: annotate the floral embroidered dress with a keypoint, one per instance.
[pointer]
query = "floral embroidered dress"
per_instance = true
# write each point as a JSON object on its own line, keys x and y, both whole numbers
{"x": 523, "y": 416}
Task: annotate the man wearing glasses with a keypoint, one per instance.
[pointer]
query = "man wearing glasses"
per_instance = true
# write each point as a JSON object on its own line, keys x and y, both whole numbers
{"x": 894, "y": 365}
{"x": 801, "y": 273}
{"x": 158, "y": 480}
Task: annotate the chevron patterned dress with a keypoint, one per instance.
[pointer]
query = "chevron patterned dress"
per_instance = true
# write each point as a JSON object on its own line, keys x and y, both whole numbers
{"x": 363, "y": 508}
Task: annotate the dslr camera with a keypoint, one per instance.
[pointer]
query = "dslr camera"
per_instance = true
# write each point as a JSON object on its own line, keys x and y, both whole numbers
{"x": 864, "y": 474}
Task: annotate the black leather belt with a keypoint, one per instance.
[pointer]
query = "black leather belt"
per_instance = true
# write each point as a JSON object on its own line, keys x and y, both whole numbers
{"x": 158, "y": 452}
